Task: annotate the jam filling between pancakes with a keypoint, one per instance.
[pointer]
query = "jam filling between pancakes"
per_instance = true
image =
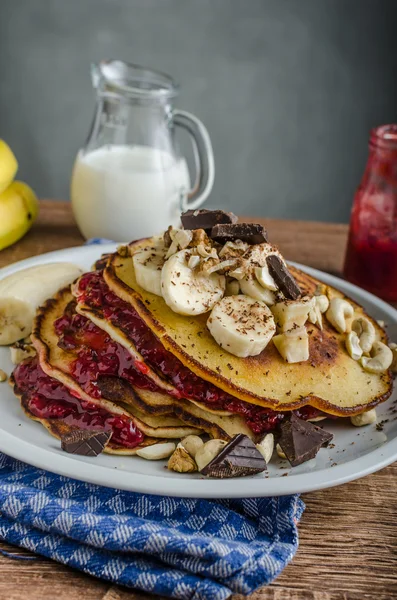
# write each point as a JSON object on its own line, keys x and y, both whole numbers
{"x": 47, "y": 398}
{"x": 95, "y": 353}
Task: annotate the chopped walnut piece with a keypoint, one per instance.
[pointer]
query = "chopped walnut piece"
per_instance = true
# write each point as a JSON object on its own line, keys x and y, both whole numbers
{"x": 207, "y": 264}
{"x": 222, "y": 267}
{"x": 200, "y": 237}
{"x": 241, "y": 270}
{"x": 233, "y": 249}
{"x": 181, "y": 461}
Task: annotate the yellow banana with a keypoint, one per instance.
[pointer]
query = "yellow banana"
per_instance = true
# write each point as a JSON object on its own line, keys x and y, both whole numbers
{"x": 8, "y": 165}
{"x": 18, "y": 211}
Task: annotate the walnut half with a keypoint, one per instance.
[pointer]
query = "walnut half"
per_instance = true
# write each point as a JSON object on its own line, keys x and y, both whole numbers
{"x": 181, "y": 461}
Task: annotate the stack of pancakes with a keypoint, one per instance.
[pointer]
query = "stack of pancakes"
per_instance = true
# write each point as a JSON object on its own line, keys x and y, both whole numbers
{"x": 112, "y": 355}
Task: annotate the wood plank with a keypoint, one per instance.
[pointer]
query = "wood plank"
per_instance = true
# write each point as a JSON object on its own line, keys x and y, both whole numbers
{"x": 348, "y": 534}
{"x": 320, "y": 245}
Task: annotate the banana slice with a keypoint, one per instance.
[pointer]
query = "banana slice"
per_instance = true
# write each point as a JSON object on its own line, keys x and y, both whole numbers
{"x": 241, "y": 325}
{"x": 292, "y": 313}
{"x": 24, "y": 291}
{"x": 265, "y": 279}
{"x": 251, "y": 287}
{"x": 258, "y": 283}
{"x": 189, "y": 292}
{"x": 293, "y": 345}
{"x": 148, "y": 263}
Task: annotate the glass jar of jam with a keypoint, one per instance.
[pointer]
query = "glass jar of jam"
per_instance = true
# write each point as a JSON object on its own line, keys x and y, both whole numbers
{"x": 371, "y": 257}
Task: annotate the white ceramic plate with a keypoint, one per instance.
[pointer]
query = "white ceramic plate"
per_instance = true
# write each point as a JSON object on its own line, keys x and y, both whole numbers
{"x": 357, "y": 451}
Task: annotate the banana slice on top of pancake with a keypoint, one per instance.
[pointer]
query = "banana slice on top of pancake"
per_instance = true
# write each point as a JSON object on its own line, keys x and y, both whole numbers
{"x": 188, "y": 291}
{"x": 251, "y": 287}
{"x": 241, "y": 325}
{"x": 148, "y": 263}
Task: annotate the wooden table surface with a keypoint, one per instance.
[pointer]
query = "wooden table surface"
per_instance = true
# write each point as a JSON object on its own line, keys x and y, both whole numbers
{"x": 348, "y": 534}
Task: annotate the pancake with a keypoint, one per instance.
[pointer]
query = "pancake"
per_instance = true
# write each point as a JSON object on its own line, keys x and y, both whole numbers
{"x": 155, "y": 413}
{"x": 57, "y": 363}
{"x": 330, "y": 380}
{"x": 218, "y": 426}
{"x": 25, "y": 381}
{"x": 122, "y": 323}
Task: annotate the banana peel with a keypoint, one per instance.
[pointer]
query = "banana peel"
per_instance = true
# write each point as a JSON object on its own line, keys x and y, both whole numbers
{"x": 18, "y": 202}
{"x": 19, "y": 208}
{"x": 8, "y": 166}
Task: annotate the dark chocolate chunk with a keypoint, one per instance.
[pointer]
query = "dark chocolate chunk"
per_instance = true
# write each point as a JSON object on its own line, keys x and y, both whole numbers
{"x": 238, "y": 459}
{"x": 252, "y": 233}
{"x": 86, "y": 443}
{"x": 206, "y": 219}
{"x": 282, "y": 277}
{"x": 301, "y": 440}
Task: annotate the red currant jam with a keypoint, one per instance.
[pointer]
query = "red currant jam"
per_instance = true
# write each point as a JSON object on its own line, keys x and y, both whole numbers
{"x": 47, "y": 398}
{"x": 97, "y": 354}
{"x": 373, "y": 266}
{"x": 371, "y": 257}
{"x": 94, "y": 292}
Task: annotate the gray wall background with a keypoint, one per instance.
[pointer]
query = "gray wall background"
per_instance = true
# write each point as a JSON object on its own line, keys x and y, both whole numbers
{"x": 287, "y": 88}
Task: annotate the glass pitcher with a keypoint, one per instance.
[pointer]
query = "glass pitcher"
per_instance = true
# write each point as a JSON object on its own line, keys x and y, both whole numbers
{"x": 130, "y": 181}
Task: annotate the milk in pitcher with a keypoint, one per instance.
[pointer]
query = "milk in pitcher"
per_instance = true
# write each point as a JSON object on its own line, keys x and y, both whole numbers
{"x": 127, "y": 192}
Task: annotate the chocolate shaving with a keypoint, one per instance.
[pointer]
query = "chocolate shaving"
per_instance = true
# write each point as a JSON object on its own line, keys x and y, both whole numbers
{"x": 282, "y": 277}
{"x": 251, "y": 233}
{"x": 301, "y": 440}
{"x": 85, "y": 443}
{"x": 206, "y": 219}
{"x": 238, "y": 459}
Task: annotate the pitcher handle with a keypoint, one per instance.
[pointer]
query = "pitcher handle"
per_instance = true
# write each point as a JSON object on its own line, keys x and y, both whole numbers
{"x": 204, "y": 159}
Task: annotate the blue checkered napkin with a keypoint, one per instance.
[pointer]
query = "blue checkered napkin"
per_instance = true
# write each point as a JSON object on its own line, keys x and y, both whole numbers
{"x": 177, "y": 547}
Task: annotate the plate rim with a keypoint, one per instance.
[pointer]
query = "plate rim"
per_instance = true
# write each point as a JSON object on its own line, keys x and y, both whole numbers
{"x": 84, "y": 470}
